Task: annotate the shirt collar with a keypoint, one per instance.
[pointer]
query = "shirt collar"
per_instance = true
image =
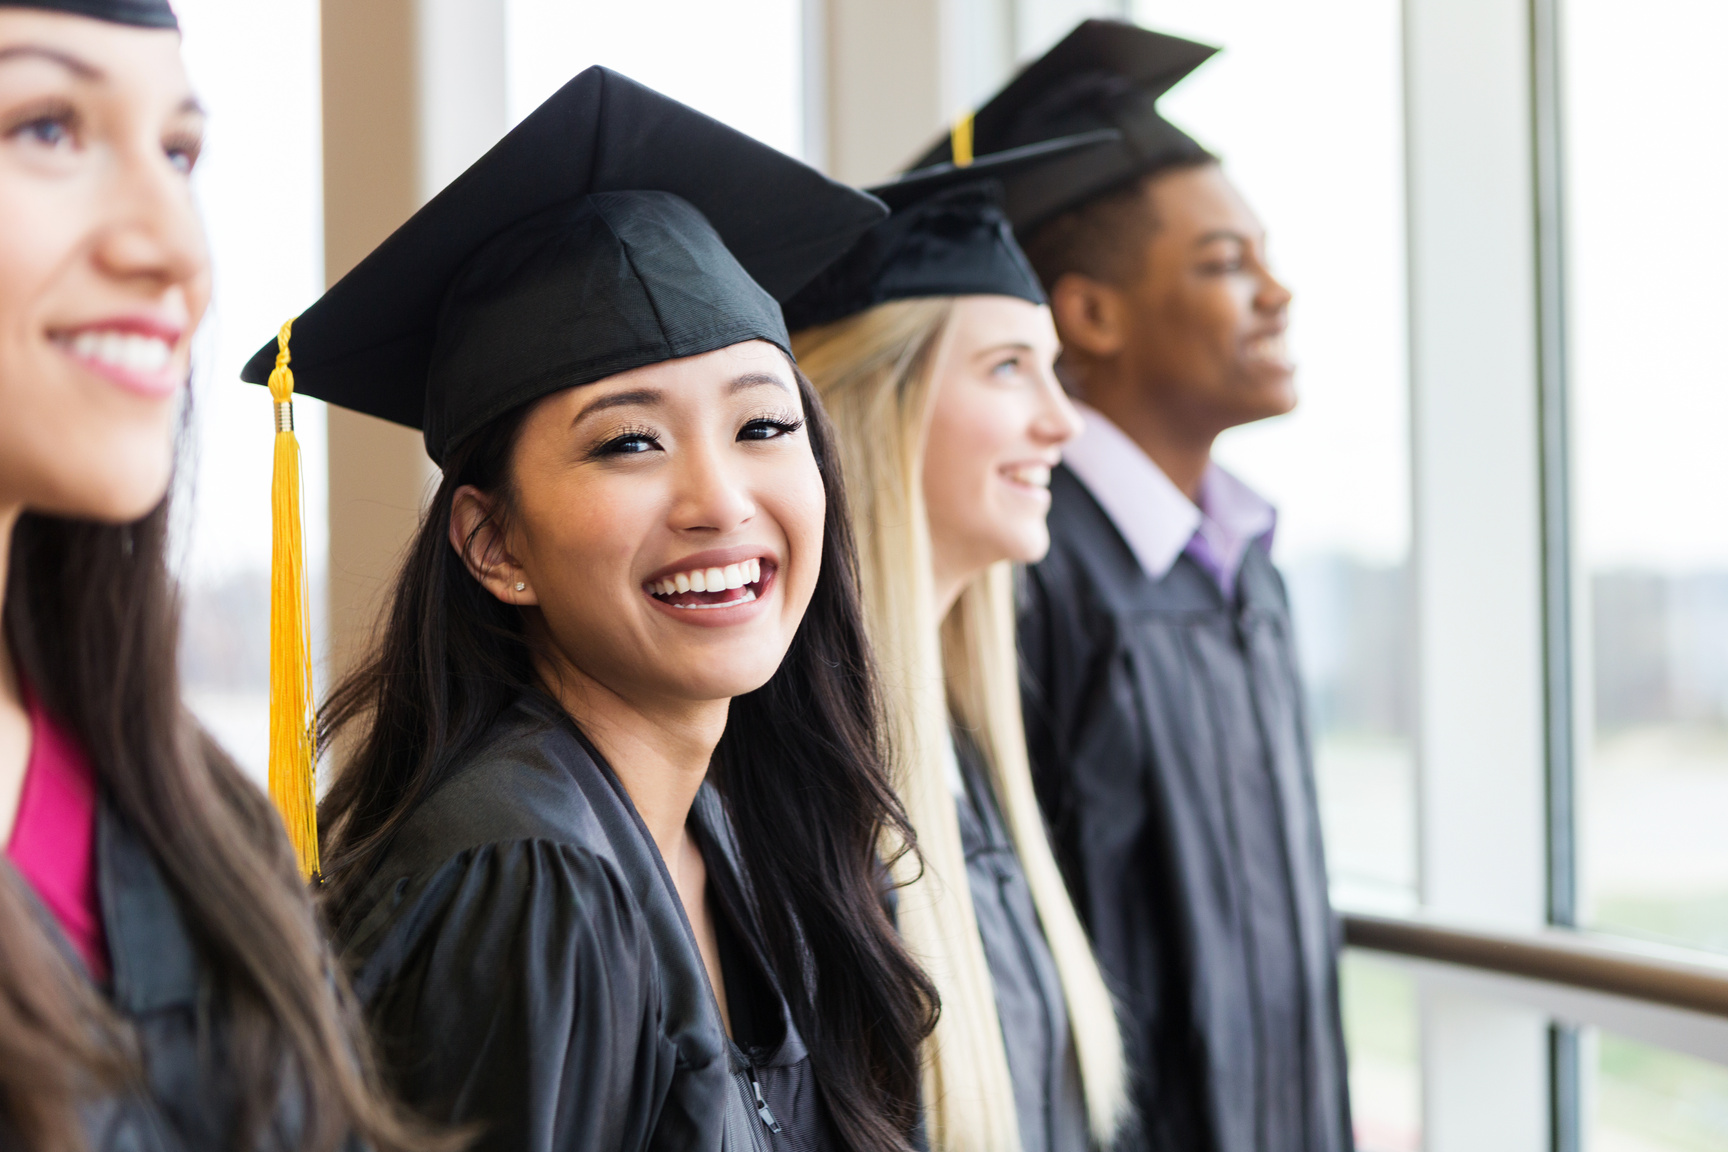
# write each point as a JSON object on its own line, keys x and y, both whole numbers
{"x": 1155, "y": 518}
{"x": 1150, "y": 512}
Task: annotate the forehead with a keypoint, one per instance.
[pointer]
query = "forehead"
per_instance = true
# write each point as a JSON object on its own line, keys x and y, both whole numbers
{"x": 1194, "y": 201}
{"x": 96, "y": 52}
{"x": 713, "y": 369}
{"x": 989, "y": 320}
{"x": 750, "y": 366}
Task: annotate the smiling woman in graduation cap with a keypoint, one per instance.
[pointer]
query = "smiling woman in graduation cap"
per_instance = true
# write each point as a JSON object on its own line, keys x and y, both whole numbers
{"x": 603, "y": 851}
{"x": 163, "y": 984}
{"x": 933, "y": 349}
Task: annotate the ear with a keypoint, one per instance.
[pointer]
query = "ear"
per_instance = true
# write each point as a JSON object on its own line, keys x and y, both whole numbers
{"x": 478, "y": 537}
{"x": 1091, "y": 316}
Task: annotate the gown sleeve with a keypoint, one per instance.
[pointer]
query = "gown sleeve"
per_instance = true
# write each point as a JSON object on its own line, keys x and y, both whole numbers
{"x": 517, "y": 993}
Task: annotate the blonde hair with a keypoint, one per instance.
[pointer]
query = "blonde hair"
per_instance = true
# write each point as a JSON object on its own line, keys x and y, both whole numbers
{"x": 874, "y": 372}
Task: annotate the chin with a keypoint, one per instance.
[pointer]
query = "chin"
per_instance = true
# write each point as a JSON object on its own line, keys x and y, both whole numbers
{"x": 722, "y": 683}
{"x": 1029, "y": 545}
{"x": 112, "y": 498}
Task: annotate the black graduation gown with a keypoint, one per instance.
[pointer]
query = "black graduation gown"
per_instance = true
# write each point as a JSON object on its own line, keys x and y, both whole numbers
{"x": 1172, "y": 758}
{"x": 528, "y": 968}
{"x": 160, "y": 989}
{"x": 1049, "y": 1101}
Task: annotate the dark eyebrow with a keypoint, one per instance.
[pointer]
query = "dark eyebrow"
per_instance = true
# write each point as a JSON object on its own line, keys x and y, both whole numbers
{"x": 619, "y": 400}
{"x": 756, "y": 380}
{"x": 1223, "y": 234}
{"x": 72, "y": 64}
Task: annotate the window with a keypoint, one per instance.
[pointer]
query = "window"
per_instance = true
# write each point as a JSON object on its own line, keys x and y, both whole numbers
{"x": 740, "y": 62}
{"x": 259, "y": 187}
{"x": 1382, "y": 1030}
{"x": 1649, "y": 401}
{"x": 1646, "y": 1099}
{"x": 1303, "y": 105}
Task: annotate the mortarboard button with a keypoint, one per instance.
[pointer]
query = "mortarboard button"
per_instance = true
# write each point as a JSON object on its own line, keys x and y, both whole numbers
{"x": 1104, "y": 74}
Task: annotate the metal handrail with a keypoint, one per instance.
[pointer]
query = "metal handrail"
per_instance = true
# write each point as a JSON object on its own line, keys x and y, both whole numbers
{"x": 1556, "y": 956}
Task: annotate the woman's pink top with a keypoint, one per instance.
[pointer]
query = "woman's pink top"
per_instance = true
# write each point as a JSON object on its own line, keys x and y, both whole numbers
{"x": 54, "y": 836}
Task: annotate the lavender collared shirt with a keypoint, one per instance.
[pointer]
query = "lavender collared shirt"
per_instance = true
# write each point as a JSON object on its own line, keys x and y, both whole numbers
{"x": 1156, "y": 518}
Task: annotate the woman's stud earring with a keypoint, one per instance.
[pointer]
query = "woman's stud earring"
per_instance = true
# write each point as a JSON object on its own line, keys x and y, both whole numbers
{"x": 521, "y": 587}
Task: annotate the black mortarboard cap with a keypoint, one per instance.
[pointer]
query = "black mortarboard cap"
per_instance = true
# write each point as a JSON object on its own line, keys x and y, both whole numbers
{"x": 611, "y": 229}
{"x": 1104, "y": 74}
{"x": 947, "y": 236}
{"x": 139, "y": 13}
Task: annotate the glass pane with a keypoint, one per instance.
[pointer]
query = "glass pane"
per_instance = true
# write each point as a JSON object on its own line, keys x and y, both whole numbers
{"x": 1651, "y": 1100}
{"x": 258, "y": 184}
{"x": 1650, "y": 404}
{"x": 1304, "y": 106}
{"x": 1381, "y": 1031}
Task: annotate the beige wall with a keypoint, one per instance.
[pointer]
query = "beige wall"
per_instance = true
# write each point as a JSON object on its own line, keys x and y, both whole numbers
{"x": 413, "y": 92}
{"x": 882, "y": 98}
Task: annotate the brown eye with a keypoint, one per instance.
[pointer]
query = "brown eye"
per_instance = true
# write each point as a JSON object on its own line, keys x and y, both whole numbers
{"x": 769, "y": 429}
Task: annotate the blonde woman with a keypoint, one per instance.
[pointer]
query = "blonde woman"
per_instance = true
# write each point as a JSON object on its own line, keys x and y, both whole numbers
{"x": 932, "y": 348}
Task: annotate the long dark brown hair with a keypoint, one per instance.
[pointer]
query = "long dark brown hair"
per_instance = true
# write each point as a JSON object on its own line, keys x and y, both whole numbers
{"x": 91, "y": 622}
{"x": 801, "y": 766}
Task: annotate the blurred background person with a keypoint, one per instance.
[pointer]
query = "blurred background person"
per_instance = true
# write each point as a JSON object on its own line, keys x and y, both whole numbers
{"x": 1165, "y": 718}
{"x": 162, "y": 981}
{"x": 934, "y": 352}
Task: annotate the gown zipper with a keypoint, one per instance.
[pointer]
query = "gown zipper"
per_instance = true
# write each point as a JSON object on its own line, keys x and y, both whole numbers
{"x": 762, "y": 1108}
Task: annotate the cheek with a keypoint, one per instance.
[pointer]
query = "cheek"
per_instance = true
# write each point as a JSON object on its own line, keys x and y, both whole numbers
{"x": 43, "y": 225}
{"x": 581, "y": 537}
{"x": 798, "y": 503}
{"x": 72, "y": 453}
{"x": 972, "y": 430}
{"x": 1192, "y": 322}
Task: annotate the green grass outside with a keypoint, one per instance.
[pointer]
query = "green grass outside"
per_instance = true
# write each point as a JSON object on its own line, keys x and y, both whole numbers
{"x": 1649, "y": 1098}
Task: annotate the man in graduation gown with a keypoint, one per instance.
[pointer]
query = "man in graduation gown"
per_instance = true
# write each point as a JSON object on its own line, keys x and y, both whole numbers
{"x": 1164, "y": 715}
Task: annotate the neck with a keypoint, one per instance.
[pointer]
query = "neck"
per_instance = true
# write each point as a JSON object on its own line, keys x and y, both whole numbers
{"x": 11, "y": 696}
{"x": 14, "y": 719}
{"x": 949, "y": 581}
{"x": 1180, "y": 445}
{"x": 659, "y": 749}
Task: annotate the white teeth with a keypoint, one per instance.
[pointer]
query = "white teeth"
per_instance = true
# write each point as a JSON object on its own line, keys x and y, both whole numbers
{"x": 1267, "y": 347}
{"x": 1035, "y": 475}
{"x": 731, "y": 577}
{"x": 128, "y": 350}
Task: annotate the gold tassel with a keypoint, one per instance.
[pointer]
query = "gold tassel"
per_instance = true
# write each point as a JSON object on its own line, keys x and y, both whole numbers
{"x": 293, "y": 720}
{"x": 960, "y": 141}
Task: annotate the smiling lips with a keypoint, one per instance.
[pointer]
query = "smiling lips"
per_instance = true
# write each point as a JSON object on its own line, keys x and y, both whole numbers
{"x": 1030, "y": 475}
{"x": 134, "y": 354}
{"x": 710, "y": 587}
{"x": 1270, "y": 347}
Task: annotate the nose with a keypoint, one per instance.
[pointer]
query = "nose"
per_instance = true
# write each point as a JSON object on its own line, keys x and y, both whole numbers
{"x": 713, "y": 496}
{"x": 154, "y": 238}
{"x": 1056, "y": 421}
{"x": 1273, "y": 297}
